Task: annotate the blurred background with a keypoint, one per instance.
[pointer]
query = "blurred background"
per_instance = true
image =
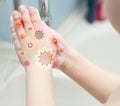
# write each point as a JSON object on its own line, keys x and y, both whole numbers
{"x": 58, "y": 11}
{"x": 84, "y": 26}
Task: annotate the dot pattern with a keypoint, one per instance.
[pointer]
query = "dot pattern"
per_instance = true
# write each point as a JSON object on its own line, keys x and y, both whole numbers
{"x": 26, "y": 63}
{"x": 19, "y": 23}
{"x": 54, "y": 40}
{"x": 30, "y": 28}
{"x": 22, "y": 53}
{"x": 61, "y": 50}
{"x": 22, "y": 36}
{"x": 30, "y": 45}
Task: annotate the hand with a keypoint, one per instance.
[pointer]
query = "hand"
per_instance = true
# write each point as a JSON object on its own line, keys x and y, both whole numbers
{"x": 33, "y": 42}
{"x": 64, "y": 51}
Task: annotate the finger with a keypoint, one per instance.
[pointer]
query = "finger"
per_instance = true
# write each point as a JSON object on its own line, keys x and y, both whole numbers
{"x": 55, "y": 34}
{"x": 18, "y": 26}
{"x": 35, "y": 18}
{"x": 15, "y": 38}
{"x": 46, "y": 31}
{"x": 55, "y": 39}
{"x": 28, "y": 26}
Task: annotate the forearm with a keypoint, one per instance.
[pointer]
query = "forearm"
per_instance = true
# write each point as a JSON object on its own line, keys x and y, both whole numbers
{"x": 39, "y": 87}
{"x": 95, "y": 80}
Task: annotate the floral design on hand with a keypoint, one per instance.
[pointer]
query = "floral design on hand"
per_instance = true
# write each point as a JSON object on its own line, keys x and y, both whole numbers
{"x": 30, "y": 45}
{"x": 46, "y": 57}
{"x": 29, "y": 37}
{"x": 39, "y": 35}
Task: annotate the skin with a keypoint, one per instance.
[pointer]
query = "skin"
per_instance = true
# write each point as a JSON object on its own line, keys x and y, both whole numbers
{"x": 38, "y": 68}
{"x": 96, "y": 81}
{"x": 113, "y": 9}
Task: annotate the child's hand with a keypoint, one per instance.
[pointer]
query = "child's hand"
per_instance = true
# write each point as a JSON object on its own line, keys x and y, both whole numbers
{"x": 33, "y": 42}
{"x": 64, "y": 51}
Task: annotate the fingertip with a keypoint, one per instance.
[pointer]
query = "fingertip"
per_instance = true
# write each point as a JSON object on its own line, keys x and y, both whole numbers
{"x": 21, "y": 7}
{"x": 15, "y": 15}
{"x": 12, "y": 28}
{"x": 14, "y": 12}
{"x": 31, "y": 9}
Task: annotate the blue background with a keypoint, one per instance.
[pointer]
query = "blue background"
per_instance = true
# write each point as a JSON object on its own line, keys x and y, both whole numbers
{"x": 59, "y": 10}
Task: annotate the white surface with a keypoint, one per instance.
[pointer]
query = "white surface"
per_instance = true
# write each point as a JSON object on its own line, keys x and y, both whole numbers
{"x": 100, "y": 43}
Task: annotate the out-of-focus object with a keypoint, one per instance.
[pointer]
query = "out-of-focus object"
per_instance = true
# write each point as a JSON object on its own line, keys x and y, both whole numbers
{"x": 113, "y": 12}
{"x": 2, "y": 2}
{"x": 16, "y": 4}
{"x": 43, "y": 9}
{"x": 100, "y": 10}
{"x": 91, "y": 9}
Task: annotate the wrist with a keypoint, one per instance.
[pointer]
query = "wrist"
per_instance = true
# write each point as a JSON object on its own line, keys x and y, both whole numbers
{"x": 68, "y": 60}
{"x": 38, "y": 67}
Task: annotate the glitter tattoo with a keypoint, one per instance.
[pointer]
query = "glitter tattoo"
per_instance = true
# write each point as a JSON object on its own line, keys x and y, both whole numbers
{"x": 54, "y": 41}
{"x": 26, "y": 63}
{"x": 39, "y": 35}
{"x": 22, "y": 36}
{"x": 30, "y": 45}
{"x": 61, "y": 50}
{"x": 22, "y": 53}
{"x": 19, "y": 23}
{"x": 30, "y": 28}
{"x": 46, "y": 57}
